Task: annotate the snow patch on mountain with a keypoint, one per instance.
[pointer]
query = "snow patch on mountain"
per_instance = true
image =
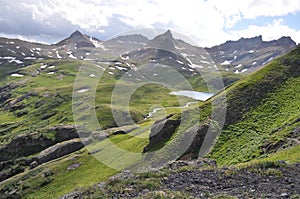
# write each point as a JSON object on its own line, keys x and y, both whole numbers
{"x": 72, "y": 56}
{"x": 238, "y": 66}
{"x": 57, "y": 55}
{"x": 225, "y": 63}
{"x": 30, "y": 58}
{"x": 180, "y": 62}
{"x": 16, "y": 75}
{"x": 121, "y": 68}
{"x": 178, "y": 48}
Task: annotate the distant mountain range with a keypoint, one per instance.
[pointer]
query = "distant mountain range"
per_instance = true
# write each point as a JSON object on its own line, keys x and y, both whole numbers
{"x": 233, "y": 56}
{"x": 245, "y": 54}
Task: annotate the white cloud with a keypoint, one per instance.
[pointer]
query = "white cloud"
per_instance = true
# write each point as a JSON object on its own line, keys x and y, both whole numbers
{"x": 269, "y": 32}
{"x": 86, "y": 16}
{"x": 191, "y": 17}
{"x": 250, "y": 9}
{"x": 207, "y": 22}
{"x": 271, "y": 8}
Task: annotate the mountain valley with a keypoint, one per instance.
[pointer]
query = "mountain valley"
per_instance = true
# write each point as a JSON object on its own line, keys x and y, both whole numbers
{"x": 51, "y": 96}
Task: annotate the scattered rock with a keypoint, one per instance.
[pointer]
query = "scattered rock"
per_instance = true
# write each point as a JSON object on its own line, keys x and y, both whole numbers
{"x": 34, "y": 164}
{"x": 197, "y": 163}
{"x": 73, "y": 195}
{"x": 200, "y": 181}
{"x": 74, "y": 166}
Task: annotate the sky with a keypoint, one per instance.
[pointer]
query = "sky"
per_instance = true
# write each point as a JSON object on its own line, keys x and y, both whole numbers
{"x": 206, "y": 22}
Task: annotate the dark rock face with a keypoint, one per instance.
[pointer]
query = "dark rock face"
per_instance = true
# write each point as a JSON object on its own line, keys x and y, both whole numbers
{"x": 24, "y": 145}
{"x": 17, "y": 152}
{"x": 4, "y": 93}
{"x": 161, "y": 132}
{"x": 191, "y": 142}
{"x": 27, "y": 144}
{"x": 193, "y": 151}
{"x": 65, "y": 132}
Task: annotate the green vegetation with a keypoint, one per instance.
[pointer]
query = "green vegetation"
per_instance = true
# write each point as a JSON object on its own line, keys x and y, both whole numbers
{"x": 261, "y": 126}
{"x": 266, "y": 107}
{"x": 33, "y": 108}
{"x": 57, "y": 177}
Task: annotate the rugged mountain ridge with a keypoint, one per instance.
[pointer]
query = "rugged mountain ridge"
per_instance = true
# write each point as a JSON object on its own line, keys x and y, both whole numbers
{"x": 233, "y": 56}
{"x": 249, "y": 53}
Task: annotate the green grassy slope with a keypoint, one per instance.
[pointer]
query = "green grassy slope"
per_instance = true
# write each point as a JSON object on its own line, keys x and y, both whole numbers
{"x": 263, "y": 114}
{"x": 40, "y": 100}
{"x": 261, "y": 128}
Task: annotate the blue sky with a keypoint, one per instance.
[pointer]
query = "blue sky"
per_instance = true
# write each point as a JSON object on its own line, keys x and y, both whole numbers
{"x": 206, "y": 22}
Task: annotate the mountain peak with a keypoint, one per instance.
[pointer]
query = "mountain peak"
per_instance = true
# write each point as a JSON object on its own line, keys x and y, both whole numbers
{"x": 76, "y": 39}
{"x": 164, "y": 41}
{"x": 168, "y": 34}
{"x": 76, "y": 33}
{"x": 284, "y": 41}
{"x": 287, "y": 38}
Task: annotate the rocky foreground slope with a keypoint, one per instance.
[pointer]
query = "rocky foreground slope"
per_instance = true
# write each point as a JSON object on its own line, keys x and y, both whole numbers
{"x": 201, "y": 179}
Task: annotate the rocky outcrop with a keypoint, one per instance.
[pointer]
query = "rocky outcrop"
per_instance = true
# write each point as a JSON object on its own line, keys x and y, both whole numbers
{"x": 24, "y": 145}
{"x": 191, "y": 141}
{"x": 65, "y": 132}
{"x": 27, "y": 144}
{"x": 193, "y": 151}
{"x": 4, "y": 93}
{"x": 161, "y": 132}
{"x": 59, "y": 150}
